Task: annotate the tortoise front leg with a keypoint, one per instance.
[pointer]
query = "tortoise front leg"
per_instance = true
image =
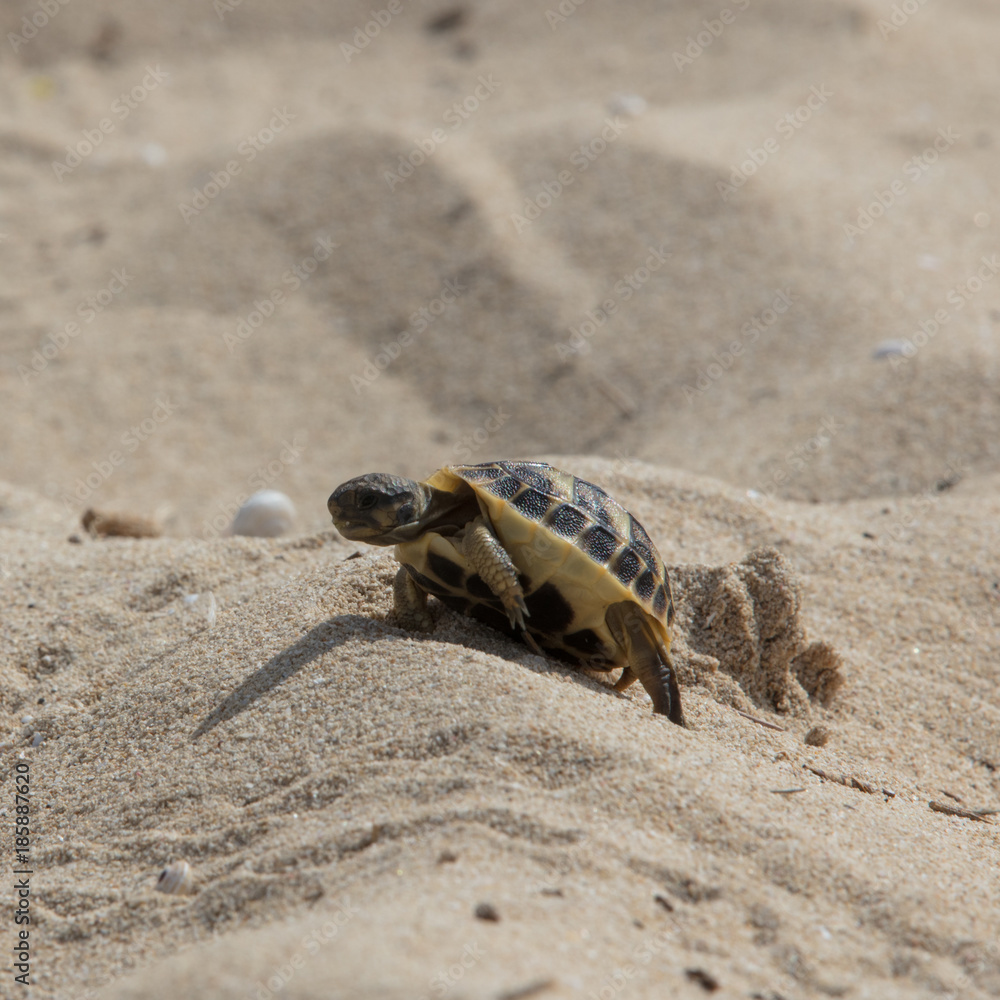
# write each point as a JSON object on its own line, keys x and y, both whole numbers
{"x": 410, "y": 603}
{"x": 490, "y": 560}
{"x": 648, "y": 659}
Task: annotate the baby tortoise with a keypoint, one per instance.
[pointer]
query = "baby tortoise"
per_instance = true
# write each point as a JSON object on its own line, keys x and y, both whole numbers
{"x": 532, "y": 551}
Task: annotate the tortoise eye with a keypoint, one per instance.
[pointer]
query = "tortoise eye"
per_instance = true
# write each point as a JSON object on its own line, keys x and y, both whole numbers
{"x": 367, "y": 501}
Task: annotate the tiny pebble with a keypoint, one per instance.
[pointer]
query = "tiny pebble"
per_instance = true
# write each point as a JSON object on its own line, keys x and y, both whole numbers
{"x": 818, "y": 736}
{"x": 888, "y": 348}
{"x": 487, "y": 911}
{"x": 632, "y": 105}
{"x": 36, "y": 740}
{"x": 704, "y": 979}
{"x": 153, "y": 154}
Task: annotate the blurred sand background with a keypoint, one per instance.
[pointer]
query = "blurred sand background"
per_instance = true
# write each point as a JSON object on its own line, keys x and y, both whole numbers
{"x": 739, "y": 269}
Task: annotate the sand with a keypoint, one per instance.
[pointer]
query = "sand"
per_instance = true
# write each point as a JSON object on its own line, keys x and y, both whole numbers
{"x": 737, "y": 264}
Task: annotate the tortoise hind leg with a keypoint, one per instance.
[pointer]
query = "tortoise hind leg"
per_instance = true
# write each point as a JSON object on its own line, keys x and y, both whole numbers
{"x": 648, "y": 659}
{"x": 626, "y": 680}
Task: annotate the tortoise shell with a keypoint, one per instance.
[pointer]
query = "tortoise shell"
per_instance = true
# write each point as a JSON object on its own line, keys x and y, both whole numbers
{"x": 576, "y": 550}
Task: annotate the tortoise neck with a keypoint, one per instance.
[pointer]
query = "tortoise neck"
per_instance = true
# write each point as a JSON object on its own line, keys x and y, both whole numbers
{"x": 447, "y": 512}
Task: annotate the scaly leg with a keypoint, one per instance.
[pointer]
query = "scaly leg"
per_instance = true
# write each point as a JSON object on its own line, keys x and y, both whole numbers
{"x": 648, "y": 659}
{"x": 489, "y": 559}
{"x": 410, "y": 603}
{"x": 626, "y": 680}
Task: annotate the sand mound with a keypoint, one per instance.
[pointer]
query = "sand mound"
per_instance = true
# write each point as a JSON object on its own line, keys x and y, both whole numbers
{"x": 743, "y": 619}
{"x": 348, "y": 794}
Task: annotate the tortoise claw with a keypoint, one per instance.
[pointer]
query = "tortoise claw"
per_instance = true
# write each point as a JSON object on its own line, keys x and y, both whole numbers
{"x": 517, "y": 611}
{"x": 529, "y": 640}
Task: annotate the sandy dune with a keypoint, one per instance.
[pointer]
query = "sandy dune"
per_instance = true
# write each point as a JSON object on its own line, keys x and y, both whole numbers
{"x": 737, "y": 264}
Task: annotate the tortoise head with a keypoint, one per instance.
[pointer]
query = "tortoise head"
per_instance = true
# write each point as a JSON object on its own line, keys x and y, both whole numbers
{"x": 379, "y": 509}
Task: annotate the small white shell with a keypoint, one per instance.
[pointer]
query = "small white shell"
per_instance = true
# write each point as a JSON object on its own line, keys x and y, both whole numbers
{"x": 266, "y": 514}
{"x": 176, "y": 878}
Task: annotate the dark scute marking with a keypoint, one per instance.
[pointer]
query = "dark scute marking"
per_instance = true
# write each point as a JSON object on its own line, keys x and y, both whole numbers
{"x": 586, "y": 640}
{"x": 425, "y": 582}
{"x": 478, "y": 587}
{"x": 550, "y": 611}
{"x": 627, "y": 566}
{"x": 660, "y": 601}
{"x": 593, "y": 499}
{"x": 670, "y": 598}
{"x": 567, "y": 521}
{"x": 459, "y": 604}
{"x": 532, "y": 475}
{"x": 532, "y": 504}
{"x": 504, "y": 488}
{"x": 477, "y": 473}
{"x": 495, "y": 619}
{"x": 445, "y": 570}
{"x": 599, "y": 544}
{"x": 645, "y": 585}
{"x": 641, "y": 541}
